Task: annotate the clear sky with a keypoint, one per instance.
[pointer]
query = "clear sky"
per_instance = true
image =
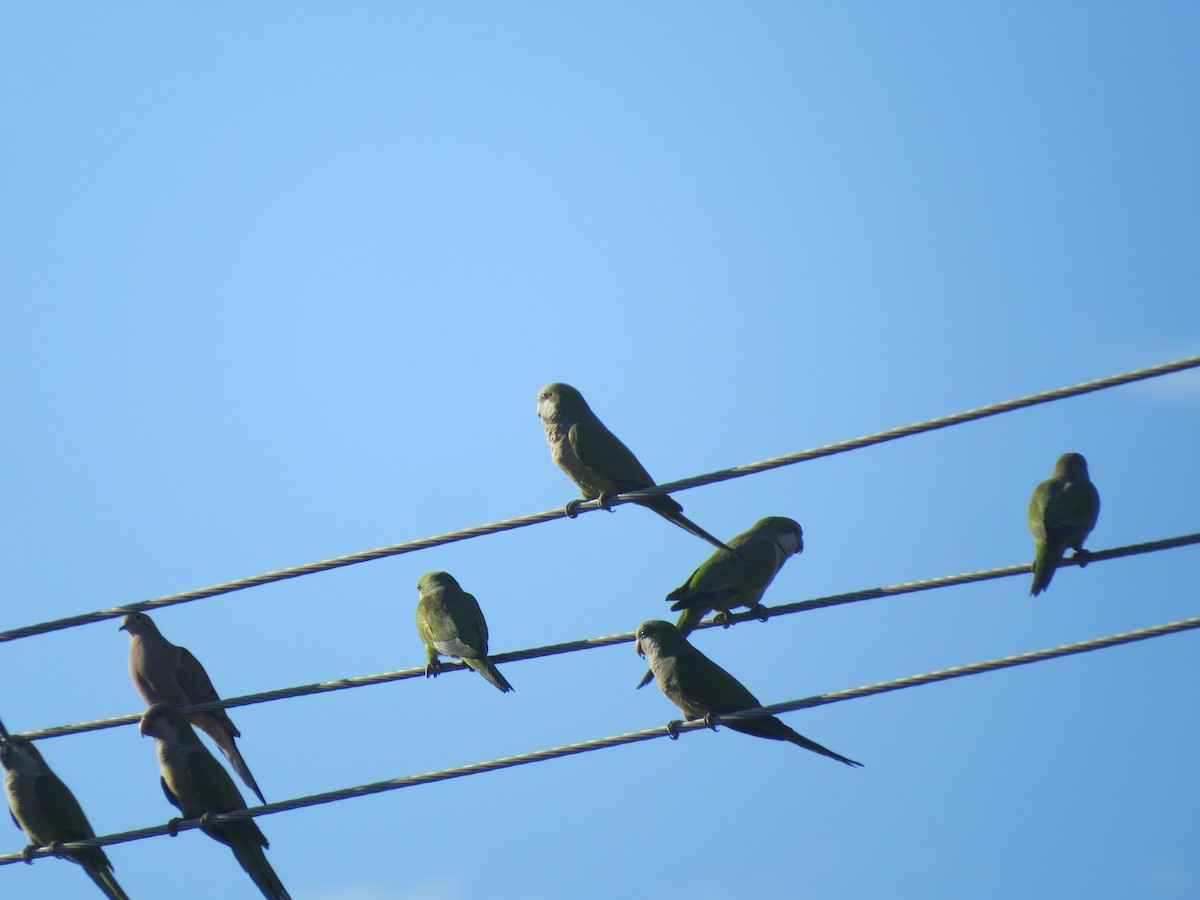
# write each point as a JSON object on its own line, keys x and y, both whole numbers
{"x": 281, "y": 282}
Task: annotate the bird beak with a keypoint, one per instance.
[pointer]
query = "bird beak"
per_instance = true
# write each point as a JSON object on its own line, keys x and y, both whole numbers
{"x": 4, "y": 735}
{"x": 637, "y": 645}
{"x": 142, "y": 727}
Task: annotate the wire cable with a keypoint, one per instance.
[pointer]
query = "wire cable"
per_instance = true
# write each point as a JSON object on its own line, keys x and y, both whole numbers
{"x": 894, "y": 590}
{"x": 647, "y": 734}
{"x": 615, "y": 500}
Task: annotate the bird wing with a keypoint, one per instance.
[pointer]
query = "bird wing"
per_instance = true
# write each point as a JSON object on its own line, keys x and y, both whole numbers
{"x": 602, "y": 452}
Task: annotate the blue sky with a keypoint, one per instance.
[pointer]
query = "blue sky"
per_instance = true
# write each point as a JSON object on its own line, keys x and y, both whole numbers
{"x": 282, "y": 282}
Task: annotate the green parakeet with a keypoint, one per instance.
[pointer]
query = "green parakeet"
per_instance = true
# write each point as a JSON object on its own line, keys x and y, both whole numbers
{"x": 1062, "y": 513}
{"x": 596, "y": 460}
{"x": 451, "y": 623}
{"x": 701, "y": 688}
{"x": 46, "y": 810}
{"x": 727, "y": 580}
{"x": 165, "y": 673}
{"x": 197, "y": 785}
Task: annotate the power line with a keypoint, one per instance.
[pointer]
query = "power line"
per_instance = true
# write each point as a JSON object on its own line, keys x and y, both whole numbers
{"x": 894, "y": 590}
{"x": 479, "y": 768}
{"x": 615, "y": 500}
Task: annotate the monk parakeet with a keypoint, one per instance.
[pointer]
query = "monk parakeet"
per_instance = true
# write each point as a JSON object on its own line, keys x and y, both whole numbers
{"x": 165, "y": 673}
{"x": 451, "y": 623}
{"x": 197, "y": 785}
{"x": 1062, "y": 512}
{"x": 701, "y": 688}
{"x": 596, "y": 460}
{"x": 727, "y": 580}
{"x": 46, "y": 810}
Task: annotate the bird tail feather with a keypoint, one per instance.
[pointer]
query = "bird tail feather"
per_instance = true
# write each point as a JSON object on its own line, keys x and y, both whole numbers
{"x": 107, "y": 883}
{"x": 252, "y": 858}
{"x": 225, "y": 741}
{"x": 485, "y": 668}
{"x": 1044, "y": 563}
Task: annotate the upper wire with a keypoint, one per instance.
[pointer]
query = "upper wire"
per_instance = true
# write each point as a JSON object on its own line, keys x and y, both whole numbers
{"x": 614, "y": 500}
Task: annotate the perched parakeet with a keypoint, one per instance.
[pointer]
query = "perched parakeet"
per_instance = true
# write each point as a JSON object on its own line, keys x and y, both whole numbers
{"x": 1062, "y": 513}
{"x": 197, "y": 785}
{"x": 165, "y": 673}
{"x": 46, "y": 810}
{"x": 727, "y": 580}
{"x": 596, "y": 460}
{"x": 451, "y": 623}
{"x": 701, "y": 688}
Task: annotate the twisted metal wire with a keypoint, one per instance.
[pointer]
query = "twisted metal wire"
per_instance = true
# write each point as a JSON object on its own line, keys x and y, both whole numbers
{"x": 614, "y": 500}
{"x": 894, "y": 590}
{"x": 647, "y": 734}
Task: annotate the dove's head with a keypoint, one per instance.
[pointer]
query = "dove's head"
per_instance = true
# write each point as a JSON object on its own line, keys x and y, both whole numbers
{"x": 138, "y": 623}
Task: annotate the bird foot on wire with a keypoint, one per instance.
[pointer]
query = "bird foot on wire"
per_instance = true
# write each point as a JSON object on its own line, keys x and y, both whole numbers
{"x": 173, "y": 827}
{"x": 205, "y": 821}
{"x": 603, "y": 501}
{"x": 673, "y": 729}
{"x": 723, "y": 619}
{"x": 761, "y": 611}
{"x": 54, "y": 848}
{"x": 27, "y": 854}
{"x": 1081, "y": 556}
{"x": 708, "y": 720}
{"x": 433, "y": 670}
{"x": 571, "y": 510}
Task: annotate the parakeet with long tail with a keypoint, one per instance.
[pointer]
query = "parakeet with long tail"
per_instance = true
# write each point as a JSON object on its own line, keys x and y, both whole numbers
{"x": 596, "y": 460}
{"x": 197, "y": 785}
{"x": 1062, "y": 513}
{"x": 46, "y": 810}
{"x": 701, "y": 688}
{"x": 451, "y": 623}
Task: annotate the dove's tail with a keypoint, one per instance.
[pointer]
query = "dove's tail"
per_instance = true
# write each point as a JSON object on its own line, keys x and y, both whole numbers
{"x": 223, "y": 739}
{"x": 484, "y": 667}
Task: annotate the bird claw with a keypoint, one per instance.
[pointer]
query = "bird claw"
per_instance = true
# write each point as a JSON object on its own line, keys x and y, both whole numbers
{"x": 708, "y": 720}
{"x": 27, "y": 854}
{"x": 723, "y": 619}
{"x": 54, "y": 848}
{"x": 673, "y": 729}
{"x": 571, "y": 510}
{"x": 1081, "y": 556}
{"x": 433, "y": 670}
{"x": 603, "y": 502}
{"x": 205, "y": 820}
{"x": 173, "y": 827}
{"x": 762, "y": 613}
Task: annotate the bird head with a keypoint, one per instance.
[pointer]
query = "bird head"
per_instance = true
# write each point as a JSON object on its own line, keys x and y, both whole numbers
{"x": 163, "y": 722}
{"x": 657, "y": 636}
{"x": 559, "y": 402}
{"x": 17, "y": 753}
{"x": 1072, "y": 466}
{"x": 432, "y": 580}
{"x": 787, "y": 533}
{"x": 138, "y": 623}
